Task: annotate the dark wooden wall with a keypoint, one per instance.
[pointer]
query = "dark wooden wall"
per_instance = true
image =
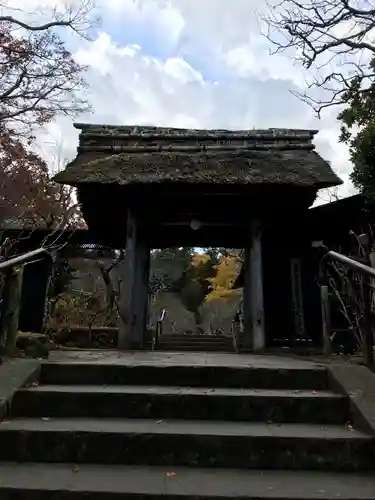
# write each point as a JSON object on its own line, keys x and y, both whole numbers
{"x": 276, "y": 285}
{"x": 34, "y": 292}
{"x": 281, "y": 243}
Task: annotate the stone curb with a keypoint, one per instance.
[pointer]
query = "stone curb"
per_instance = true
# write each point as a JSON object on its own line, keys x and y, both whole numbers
{"x": 357, "y": 382}
{"x": 14, "y": 374}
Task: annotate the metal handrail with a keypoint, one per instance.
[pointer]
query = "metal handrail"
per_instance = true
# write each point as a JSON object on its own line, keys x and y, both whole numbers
{"x": 351, "y": 263}
{"x": 368, "y": 272}
{"x": 162, "y": 315}
{"x": 9, "y": 286}
{"x": 159, "y": 329}
{"x": 235, "y": 328}
{"x": 24, "y": 258}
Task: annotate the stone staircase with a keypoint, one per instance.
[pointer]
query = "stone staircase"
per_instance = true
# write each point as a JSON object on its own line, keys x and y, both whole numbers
{"x": 195, "y": 342}
{"x": 175, "y": 428}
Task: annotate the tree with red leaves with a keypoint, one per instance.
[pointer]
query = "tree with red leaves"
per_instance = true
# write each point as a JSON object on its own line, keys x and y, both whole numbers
{"x": 27, "y": 197}
{"x": 39, "y": 80}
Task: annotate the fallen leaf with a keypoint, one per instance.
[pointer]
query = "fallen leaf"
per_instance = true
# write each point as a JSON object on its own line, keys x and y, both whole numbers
{"x": 171, "y": 474}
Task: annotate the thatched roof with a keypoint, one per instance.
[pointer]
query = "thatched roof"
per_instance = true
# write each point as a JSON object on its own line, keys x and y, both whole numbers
{"x": 143, "y": 155}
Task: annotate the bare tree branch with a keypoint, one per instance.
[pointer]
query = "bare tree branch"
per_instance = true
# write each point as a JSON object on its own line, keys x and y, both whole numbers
{"x": 337, "y": 37}
{"x": 78, "y": 16}
{"x": 39, "y": 78}
{"x": 328, "y": 195}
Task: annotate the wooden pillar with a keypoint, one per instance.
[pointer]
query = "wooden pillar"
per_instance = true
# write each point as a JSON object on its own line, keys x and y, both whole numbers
{"x": 253, "y": 307}
{"x": 297, "y": 299}
{"x": 134, "y": 287}
{"x": 140, "y": 296}
{"x": 326, "y": 319}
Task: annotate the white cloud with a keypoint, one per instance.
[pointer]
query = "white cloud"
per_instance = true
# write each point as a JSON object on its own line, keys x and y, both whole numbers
{"x": 192, "y": 63}
{"x": 181, "y": 70}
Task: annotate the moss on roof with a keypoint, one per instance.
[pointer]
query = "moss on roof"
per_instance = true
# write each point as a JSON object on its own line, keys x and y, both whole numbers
{"x": 144, "y": 155}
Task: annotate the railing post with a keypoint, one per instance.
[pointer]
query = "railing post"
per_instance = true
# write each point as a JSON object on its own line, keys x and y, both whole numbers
{"x": 12, "y": 291}
{"x": 326, "y": 319}
{"x": 235, "y": 335}
{"x": 155, "y": 336}
{"x": 368, "y": 274}
{"x": 368, "y": 338}
{"x": 11, "y": 295}
{"x": 158, "y": 330}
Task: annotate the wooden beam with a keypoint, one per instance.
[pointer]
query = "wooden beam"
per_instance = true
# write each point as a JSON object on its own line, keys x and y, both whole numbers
{"x": 253, "y": 292}
{"x": 133, "y": 294}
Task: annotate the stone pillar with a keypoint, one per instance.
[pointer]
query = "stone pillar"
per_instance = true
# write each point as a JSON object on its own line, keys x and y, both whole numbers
{"x": 134, "y": 287}
{"x": 253, "y": 307}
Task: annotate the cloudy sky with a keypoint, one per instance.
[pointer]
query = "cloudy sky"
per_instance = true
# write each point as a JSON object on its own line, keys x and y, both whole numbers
{"x": 191, "y": 63}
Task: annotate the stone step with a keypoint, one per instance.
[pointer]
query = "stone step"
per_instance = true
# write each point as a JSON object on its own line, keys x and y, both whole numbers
{"x": 161, "y": 402}
{"x": 193, "y": 342}
{"x": 196, "y": 338}
{"x": 161, "y": 372}
{"x": 40, "y": 481}
{"x": 166, "y": 346}
{"x": 187, "y": 443}
{"x": 196, "y": 341}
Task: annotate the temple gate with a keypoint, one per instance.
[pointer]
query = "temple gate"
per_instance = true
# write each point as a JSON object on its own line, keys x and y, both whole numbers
{"x": 147, "y": 187}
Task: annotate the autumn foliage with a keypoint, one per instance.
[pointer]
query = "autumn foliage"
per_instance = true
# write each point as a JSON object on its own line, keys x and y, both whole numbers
{"x": 39, "y": 80}
{"x": 27, "y": 197}
{"x": 222, "y": 283}
{"x": 198, "y": 278}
